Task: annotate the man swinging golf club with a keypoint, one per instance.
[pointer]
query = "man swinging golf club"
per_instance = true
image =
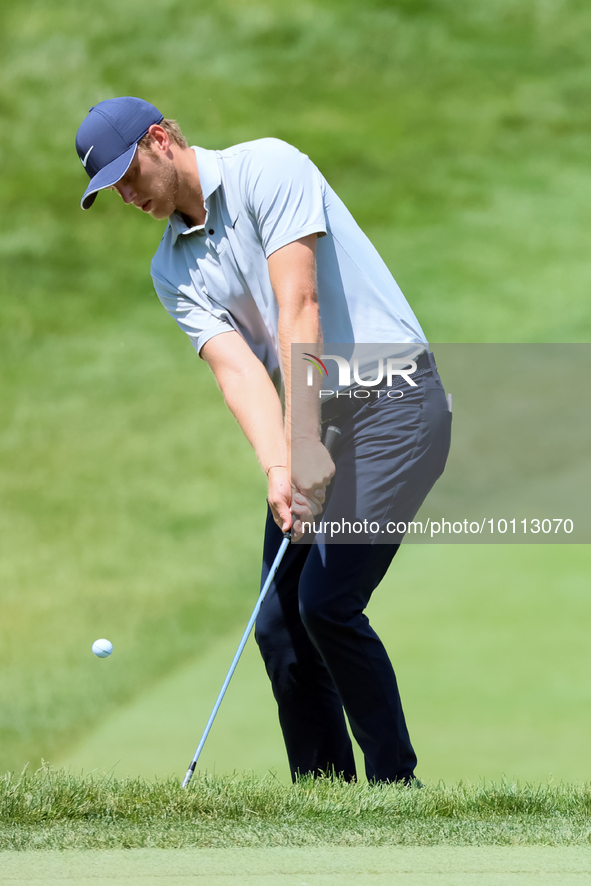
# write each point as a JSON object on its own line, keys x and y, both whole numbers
{"x": 260, "y": 263}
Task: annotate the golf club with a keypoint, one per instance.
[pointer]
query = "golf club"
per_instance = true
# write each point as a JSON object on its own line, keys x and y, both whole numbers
{"x": 332, "y": 434}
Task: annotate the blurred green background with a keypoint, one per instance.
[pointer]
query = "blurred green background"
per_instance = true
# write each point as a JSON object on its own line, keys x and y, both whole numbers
{"x": 458, "y": 133}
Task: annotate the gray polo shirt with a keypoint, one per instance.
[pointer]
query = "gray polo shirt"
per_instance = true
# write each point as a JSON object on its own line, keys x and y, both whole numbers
{"x": 260, "y": 196}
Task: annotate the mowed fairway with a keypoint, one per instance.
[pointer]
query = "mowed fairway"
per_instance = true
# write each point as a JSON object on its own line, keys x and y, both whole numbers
{"x": 378, "y": 866}
{"x": 491, "y": 651}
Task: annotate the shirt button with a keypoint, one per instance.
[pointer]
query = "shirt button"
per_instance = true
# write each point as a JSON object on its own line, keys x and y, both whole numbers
{"x": 211, "y": 231}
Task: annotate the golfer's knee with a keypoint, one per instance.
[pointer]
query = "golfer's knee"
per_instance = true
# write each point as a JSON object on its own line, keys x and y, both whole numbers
{"x": 316, "y": 613}
{"x": 263, "y": 634}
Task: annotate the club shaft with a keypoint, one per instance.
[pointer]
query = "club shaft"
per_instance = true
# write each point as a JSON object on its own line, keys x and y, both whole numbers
{"x": 332, "y": 434}
{"x": 236, "y": 659}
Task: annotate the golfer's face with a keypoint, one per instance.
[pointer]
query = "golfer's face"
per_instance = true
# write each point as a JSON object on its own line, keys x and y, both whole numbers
{"x": 150, "y": 183}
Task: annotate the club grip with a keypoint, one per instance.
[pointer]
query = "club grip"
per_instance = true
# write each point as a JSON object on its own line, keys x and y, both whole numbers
{"x": 332, "y": 435}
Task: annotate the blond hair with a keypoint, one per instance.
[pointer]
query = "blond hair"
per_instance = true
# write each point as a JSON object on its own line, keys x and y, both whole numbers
{"x": 174, "y": 133}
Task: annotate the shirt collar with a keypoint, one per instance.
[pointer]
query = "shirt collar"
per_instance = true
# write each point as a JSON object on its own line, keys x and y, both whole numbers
{"x": 210, "y": 179}
{"x": 209, "y": 171}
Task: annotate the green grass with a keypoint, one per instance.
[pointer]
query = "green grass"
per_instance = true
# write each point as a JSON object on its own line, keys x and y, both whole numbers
{"x": 484, "y": 648}
{"x": 307, "y": 865}
{"x": 457, "y": 132}
{"x": 52, "y": 810}
{"x": 114, "y": 498}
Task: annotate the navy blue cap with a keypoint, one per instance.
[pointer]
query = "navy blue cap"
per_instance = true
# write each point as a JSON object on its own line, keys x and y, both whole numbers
{"x": 107, "y": 140}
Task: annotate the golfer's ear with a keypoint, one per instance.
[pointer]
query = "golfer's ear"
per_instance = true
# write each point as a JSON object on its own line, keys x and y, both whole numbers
{"x": 159, "y": 137}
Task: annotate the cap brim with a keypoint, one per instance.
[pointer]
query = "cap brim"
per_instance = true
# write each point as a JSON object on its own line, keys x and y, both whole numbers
{"x": 108, "y": 176}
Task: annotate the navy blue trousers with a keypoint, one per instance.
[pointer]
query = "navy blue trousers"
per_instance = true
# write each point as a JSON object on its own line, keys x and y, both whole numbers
{"x": 321, "y": 654}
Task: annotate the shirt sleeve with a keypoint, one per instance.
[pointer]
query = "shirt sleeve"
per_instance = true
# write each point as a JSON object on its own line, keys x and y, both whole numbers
{"x": 284, "y": 193}
{"x": 200, "y": 322}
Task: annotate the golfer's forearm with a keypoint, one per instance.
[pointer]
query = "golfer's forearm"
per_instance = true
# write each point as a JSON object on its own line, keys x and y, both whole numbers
{"x": 250, "y": 395}
{"x": 301, "y": 324}
{"x": 257, "y": 409}
{"x": 292, "y": 271}
{"x": 254, "y": 402}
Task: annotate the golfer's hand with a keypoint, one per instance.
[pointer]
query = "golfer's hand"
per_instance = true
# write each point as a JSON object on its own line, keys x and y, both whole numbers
{"x": 312, "y": 470}
{"x": 303, "y": 499}
{"x": 279, "y": 497}
{"x": 289, "y": 506}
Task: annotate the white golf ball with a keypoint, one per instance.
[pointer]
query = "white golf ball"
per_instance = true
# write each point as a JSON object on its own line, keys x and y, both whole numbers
{"x": 102, "y": 648}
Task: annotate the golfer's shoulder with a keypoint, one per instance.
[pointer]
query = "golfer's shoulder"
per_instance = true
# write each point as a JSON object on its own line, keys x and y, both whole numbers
{"x": 261, "y": 158}
{"x": 267, "y": 147}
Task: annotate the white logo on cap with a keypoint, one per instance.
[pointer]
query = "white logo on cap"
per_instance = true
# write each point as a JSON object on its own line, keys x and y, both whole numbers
{"x": 86, "y": 158}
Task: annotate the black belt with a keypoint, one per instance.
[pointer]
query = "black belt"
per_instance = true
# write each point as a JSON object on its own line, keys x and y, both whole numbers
{"x": 345, "y": 405}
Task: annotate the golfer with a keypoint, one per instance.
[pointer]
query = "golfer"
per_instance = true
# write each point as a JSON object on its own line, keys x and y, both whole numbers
{"x": 259, "y": 257}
